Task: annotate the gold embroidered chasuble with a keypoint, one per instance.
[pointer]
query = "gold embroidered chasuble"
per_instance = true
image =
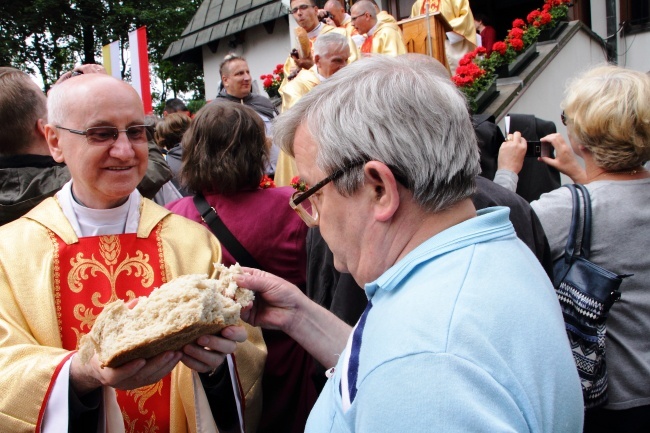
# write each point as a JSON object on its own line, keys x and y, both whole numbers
{"x": 386, "y": 39}
{"x": 456, "y": 12}
{"x": 34, "y": 336}
{"x": 307, "y": 79}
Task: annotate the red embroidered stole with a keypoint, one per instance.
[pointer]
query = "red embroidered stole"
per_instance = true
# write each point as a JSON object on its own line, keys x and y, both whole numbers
{"x": 94, "y": 272}
{"x": 366, "y": 48}
{"x": 434, "y": 6}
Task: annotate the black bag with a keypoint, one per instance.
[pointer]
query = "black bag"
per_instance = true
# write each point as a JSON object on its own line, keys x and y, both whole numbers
{"x": 586, "y": 292}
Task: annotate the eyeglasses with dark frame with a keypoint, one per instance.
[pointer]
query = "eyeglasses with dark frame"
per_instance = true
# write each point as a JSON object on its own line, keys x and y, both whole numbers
{"x": 353, "y": 19}
{"x": 302, "y": 7}
{"x": 107, "y": 135}
{"x": 310, "y": 216}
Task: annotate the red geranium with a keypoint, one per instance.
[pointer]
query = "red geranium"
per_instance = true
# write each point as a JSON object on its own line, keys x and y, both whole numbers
{"x": 516, "y": 33}
{"x": 299, "y": 184}
{"x": 533, "y": 16}
{"x": 267, "y": 182}
{"x": 500, "y": 47}
{"x": 518, "y": 23}
{"x": 517, "y": 44}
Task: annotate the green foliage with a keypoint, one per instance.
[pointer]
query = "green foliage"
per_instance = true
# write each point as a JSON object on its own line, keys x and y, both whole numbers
{"x": 52, "y": 36}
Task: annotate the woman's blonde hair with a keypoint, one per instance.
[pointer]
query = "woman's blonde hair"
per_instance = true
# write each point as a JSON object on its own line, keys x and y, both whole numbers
{"x": 608, "y": 112}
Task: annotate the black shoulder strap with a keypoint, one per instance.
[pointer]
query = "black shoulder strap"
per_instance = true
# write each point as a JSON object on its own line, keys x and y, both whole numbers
{"x": 210, "y": 217}
{"x": 585, "y": 245}
{"x": 570, "y": 248}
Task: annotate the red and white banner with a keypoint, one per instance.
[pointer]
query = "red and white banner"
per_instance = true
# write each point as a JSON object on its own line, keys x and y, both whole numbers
{"x": 140, "y": 66}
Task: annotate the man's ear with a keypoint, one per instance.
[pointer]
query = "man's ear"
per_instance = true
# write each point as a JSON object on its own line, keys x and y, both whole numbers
{"x": 52, "y": 137}
{"x": 381, "y": 183}
{"x": 316, "y": 59}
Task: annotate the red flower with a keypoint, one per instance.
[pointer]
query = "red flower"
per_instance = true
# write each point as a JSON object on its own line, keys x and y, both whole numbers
{"x": 267, "y": 182}
{"x": 267, "y": 82}
{"x": 517, "y": 44}
{"x": 464, "y": 61}
{"x": 516, "y": 33}
{"x": 298, "y": 184}
{"x": 533, "y": 16}
{"x": 518, "y": 23}
{"x": 481, "y": 50}
{"x": 545, "y": 18}
{"x": 546, "y": 7}
{"x": 500, "y": 47}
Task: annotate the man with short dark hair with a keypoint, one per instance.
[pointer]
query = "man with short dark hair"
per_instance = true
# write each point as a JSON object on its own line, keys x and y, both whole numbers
{"x": 237, "y": 85}
{"x": 175, "y": 105}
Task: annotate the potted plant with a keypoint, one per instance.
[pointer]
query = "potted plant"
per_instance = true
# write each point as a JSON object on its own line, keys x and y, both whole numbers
{"x": 271, "y": 83}
{"x": 518, "y": 49}
{"x": 476, "y": 82}
{"x": 550, "y": 20}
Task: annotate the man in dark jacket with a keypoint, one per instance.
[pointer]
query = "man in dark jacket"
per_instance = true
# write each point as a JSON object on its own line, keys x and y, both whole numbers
{"x": 237, "y": 85}
{"x": 28, "y": 173}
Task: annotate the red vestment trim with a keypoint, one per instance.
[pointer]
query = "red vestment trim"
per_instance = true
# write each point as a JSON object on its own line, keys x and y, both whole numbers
{"x": 434, "y": 6}
{"x": 366, "y": 48}
{"x": 98, "y": 270}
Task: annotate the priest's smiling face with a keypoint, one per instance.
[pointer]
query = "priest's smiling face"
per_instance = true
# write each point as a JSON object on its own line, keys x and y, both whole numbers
{"x": 103, "y": 175}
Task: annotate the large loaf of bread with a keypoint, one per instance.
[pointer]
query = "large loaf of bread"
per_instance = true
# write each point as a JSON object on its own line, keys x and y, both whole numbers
{"x": 173, "y": 315}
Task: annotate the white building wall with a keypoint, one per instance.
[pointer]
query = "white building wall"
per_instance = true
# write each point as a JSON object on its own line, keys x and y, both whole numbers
{"x": 263, "y": 51}
{"x": 632, "y": 49}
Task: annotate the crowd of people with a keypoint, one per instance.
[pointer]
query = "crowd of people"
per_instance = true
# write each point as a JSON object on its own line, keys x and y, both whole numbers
{"x": 398, "y": 286}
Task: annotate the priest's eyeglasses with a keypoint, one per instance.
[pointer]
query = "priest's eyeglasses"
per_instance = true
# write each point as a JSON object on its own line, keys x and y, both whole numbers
{"x": 300, "y": 7}
{"x": 107, "y": 135}
{"x": 299, "y": 199}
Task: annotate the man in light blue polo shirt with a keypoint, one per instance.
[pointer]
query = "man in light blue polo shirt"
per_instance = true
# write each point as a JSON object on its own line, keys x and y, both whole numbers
{"x": 463, "y": 331}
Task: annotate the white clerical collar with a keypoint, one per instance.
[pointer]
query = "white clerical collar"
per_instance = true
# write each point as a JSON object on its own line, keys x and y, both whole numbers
{"x": 97, "y": 222}
{"x": 315, "y": 31}
{"x": 320, "y": 77}
{"x": 373, "y": 29}
{"x": 346, "y": 17}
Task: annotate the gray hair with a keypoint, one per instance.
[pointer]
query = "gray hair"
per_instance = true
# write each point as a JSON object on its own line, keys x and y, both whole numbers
{"x": 330, "y": 43}
{"x": 364, "y": 6}
{"x": 397, "y": 110}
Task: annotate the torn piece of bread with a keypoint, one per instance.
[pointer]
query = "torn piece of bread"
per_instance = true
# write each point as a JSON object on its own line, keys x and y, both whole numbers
{"x": 304, "y": 46}
{"x": 173, "y": 315}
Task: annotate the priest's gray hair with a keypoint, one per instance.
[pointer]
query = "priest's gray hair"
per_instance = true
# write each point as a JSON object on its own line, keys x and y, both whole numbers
{"x": 397, "y": 110}
{"x": 330, "y": 43}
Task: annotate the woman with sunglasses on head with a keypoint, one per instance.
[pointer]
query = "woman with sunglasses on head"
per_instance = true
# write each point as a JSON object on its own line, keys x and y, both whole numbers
{"x": 607, "y": 115}
{"x": 224, "y": 152}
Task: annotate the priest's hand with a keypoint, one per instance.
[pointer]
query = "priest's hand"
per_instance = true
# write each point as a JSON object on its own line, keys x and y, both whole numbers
{"x": 209, "y": 351}
{"x": 85, "y": 378}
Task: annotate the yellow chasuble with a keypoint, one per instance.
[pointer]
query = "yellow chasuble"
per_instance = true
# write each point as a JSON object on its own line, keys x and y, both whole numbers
{"x": 47, "y": 302}
{"x": 459, "y": 15}
{"x": 307, "y": 79}
{"x": 290, "y": 63}
{"x": 386, "y": 39}
{"x": 457, "y": 12}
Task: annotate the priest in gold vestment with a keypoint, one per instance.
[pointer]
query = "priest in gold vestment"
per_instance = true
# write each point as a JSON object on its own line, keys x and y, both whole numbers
{"x": 460, "y": 18}
{"x": 331, "y": 52}
{"x": 305, "y": 12}
{"x": 381, "y": 37}
{"x": 96, "y": 241}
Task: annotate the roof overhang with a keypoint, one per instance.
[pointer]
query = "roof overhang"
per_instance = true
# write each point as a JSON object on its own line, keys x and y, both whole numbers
{"x": 217, "y": 19}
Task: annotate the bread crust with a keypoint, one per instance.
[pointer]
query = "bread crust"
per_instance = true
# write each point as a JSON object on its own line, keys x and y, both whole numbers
{"x": 173, "y": 315}
{"x": 173, "y": 341}
{"x": 304, "y": 46}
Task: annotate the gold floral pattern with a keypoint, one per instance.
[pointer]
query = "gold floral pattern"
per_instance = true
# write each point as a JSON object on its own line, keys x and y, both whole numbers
{"x": 109, "y": 248}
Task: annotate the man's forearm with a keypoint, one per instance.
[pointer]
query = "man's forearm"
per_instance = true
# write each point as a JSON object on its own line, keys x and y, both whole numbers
{"x": 320, "y": 333}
